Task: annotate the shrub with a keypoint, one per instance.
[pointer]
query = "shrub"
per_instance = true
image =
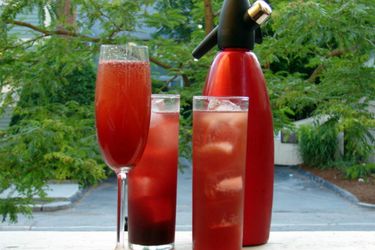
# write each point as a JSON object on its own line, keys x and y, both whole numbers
{"x": 358, "y": 141}
{"x": 357, "y": 171}
{"x": 318, "y": 144}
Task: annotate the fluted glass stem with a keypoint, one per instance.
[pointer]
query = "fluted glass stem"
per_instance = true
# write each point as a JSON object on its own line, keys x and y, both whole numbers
{"x": 121, "y": 204}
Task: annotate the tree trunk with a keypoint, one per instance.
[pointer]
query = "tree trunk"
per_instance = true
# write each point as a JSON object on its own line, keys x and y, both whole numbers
{"x": 208, "y": 16}
{"x": 66, "y": 14}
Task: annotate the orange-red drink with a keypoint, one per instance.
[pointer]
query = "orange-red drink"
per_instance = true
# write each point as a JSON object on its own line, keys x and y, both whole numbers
{"x": 153, "y": 183}
{"x": 219, "y": 155}
{"x": 122, "y": 130}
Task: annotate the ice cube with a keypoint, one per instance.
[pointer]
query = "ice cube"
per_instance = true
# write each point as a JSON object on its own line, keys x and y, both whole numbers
{"x": 222, "y": 105}
{"x": 218, "y": 147}
{"x": 163, "y": 133}
{"x": 213, "y": 120}
{"x": 158, "y": 105}
{"x": 226, "y": 120}
{"x": 233, "y": 184}
{"x": 217, "y": 186}
{"x": 226, "y": 223}
{"x": 159, "y": 209}
{"x": 144, "y": 185}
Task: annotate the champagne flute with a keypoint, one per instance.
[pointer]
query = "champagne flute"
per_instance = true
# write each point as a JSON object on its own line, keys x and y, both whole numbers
{"x": 122, "y": 108}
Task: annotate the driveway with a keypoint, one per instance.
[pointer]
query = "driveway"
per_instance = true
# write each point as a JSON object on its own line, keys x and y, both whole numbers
{"x": 299, "y": 205}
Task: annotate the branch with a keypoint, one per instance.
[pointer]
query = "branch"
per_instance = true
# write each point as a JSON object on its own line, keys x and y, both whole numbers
{"x": 336, "y": 52}
{"x": 32, "y": 41}
{"x": 172, "y": 79}
{"x": 159, "y": 63}
{"x": 46, "y": 32}
{"x": 316, "y": 73}
{"x": 167, "y": 66}
{"x": 53, "y": 32}
{"x": 320, "y": 68}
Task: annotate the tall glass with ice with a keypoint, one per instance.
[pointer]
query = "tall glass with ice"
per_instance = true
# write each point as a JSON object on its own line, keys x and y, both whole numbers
{"x": 219, "y": 156}
{"x": 153, "y": 183}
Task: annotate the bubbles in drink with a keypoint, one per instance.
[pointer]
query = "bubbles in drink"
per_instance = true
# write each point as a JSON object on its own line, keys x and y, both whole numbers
{"x": 123, "y": 92}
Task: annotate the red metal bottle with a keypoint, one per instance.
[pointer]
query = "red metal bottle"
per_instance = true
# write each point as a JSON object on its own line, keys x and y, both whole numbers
{"x": 236, "y": 72}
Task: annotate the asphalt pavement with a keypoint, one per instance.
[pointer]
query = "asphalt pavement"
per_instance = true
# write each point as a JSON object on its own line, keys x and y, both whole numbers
{"x": 300, "y": 204}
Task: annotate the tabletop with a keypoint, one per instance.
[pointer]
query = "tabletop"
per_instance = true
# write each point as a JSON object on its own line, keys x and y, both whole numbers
{"x": 40, "y": 240}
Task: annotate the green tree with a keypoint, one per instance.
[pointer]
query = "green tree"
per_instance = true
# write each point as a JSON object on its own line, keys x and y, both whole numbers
{"x": 319, "y": 60}
{"x": 318, "y": 57}
{"x": 52, "y": 134}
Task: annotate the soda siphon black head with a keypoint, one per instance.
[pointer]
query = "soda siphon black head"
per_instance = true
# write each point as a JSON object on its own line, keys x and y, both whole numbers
{"x": 237, "y": 25}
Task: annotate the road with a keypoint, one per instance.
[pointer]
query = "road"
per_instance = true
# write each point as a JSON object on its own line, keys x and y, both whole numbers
{"x": 299, "y": 205}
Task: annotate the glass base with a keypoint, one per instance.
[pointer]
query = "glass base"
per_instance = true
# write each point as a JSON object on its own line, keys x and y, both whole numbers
{"x": 119, "y": 247}
{"x": 159, "y": 247}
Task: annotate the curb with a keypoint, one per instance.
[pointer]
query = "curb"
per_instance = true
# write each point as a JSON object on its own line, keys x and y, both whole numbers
{"x": 59, "y": 204}
{"x": 338, "y": 190}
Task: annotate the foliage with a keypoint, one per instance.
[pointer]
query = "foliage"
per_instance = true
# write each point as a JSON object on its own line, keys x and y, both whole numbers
{"x": 358, "y": 141}
{"x": 357, "y": 171}
{"x": 49, "y": 142}
{"x": 52, "y": 134}
{"x": 319, "y": 60}
{"x": 318, "y": 144}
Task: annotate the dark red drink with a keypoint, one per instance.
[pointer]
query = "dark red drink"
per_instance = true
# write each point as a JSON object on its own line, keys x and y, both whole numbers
{"x": 153, "y": 184}
{"x": 121, "y": 129}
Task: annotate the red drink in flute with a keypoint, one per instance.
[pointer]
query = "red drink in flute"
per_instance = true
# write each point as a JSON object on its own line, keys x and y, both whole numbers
{"x": 219, "y": 156}
{"x": 153, "y": 183}
{"x": 120, "y": 128}
{"x": 122, "y": 108}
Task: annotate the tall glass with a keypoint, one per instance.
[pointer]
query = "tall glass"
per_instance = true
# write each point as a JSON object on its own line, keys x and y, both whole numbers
{"x": 153, "y": 183}
{"x": 219, "y": 156}
{"x": 122, "y": 108}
